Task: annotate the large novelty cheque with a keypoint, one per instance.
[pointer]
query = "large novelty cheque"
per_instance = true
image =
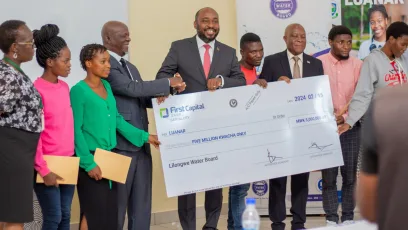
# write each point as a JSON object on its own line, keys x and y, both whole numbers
{"x": 233, "y": 136}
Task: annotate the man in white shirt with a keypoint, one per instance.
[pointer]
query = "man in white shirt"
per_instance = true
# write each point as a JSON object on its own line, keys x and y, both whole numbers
{"x": 133, "y": 96}
{"x": 204, "y": 64}
{"x": 292, "y": 63}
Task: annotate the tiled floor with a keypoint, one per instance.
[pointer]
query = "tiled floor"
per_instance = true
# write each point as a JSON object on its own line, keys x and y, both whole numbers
{"x": 312, "y": 222}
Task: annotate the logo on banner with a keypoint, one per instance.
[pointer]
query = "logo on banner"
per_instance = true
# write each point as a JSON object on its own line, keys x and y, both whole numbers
{"x": 260, "y": 188}
{"x": 320, "y": 185}
{"x": 335, "y": 12}
{"x": 283, "y": 9}
{"x": 164, "y": 113}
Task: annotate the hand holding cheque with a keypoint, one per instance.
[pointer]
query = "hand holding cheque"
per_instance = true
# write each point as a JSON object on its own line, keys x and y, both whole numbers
{"x": 245, "y": 134}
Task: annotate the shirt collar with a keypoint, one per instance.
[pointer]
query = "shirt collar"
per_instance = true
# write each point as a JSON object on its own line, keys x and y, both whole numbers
{"x": 290, "y": 55}
{"x": 200, "y": 42}
{"x": 116, "y": 56}
{"x": 332, "y": 58}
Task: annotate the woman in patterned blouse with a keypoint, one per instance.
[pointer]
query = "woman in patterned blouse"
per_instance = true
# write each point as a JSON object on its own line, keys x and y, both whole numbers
{"x": 20, "y": 126}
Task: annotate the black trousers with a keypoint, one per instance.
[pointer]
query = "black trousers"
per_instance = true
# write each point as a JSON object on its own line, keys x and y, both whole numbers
{"x": 187, "y": 210}
{"x": 277, "y": 206}
{"x": 135, "y": 196}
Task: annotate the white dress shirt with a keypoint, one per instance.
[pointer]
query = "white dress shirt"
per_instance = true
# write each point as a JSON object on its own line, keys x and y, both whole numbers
{"x": 117, "y": 57}
{"x": 201, "y": 50}
{"x": 292, "y": 62}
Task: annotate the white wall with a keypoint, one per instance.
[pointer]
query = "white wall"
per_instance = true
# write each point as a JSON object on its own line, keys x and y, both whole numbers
{"x": 80, "y": 23}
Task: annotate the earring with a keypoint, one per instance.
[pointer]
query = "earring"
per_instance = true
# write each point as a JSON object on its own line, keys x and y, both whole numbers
{"x": 15, "y": 55}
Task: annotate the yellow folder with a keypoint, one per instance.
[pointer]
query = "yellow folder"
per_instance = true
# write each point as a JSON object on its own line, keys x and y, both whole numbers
{"x": 114, "y": 166}
{"x": 65, "y": 167}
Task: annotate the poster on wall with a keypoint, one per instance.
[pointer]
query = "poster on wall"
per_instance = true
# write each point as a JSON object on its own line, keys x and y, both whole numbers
{"x": 368, "y": 21}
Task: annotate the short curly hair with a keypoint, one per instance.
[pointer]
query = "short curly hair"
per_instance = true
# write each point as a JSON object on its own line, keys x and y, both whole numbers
{"x": 339, "y": 30}
{"x": 397, "y": 29}
{"x": 89, "y": 51}
{"x": 8, "y": 34}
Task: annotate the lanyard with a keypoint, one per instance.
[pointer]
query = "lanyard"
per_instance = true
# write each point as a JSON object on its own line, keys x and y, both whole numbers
{"x": 17, "y": 67}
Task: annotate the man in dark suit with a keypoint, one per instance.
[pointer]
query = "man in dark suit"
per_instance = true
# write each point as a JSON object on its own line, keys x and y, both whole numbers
{"x": 133, "y": 96}
{"x": 204, "y": 64}
{"x": 290, "y": 64}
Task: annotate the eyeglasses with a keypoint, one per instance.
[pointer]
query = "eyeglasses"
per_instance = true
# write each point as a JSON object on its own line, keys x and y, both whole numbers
{"x": 27, "y": 43}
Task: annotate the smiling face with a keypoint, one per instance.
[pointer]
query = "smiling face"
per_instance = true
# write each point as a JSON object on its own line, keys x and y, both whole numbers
{"x": 378, "y": 25}
{"x": 295, "y": 38}
{"x": 207, "y": 25}
{"x": 118, "y": 38}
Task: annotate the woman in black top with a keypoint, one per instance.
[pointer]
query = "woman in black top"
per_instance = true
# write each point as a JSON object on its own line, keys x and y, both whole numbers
{"x": 20, "y": 126}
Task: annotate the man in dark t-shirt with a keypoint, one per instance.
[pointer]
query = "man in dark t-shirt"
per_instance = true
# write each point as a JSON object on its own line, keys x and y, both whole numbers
{"x": 383, "y": 184}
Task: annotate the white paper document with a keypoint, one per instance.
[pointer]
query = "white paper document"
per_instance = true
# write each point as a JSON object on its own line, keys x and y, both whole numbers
{"x": 239, "y": 135}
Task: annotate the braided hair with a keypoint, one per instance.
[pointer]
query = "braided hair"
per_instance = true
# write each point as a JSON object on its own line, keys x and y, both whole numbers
{"x": 48, "y": 43}
{"x": 88, "y": 52}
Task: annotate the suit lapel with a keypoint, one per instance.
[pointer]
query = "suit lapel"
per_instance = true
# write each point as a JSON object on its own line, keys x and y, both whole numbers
{"x": 306, "y": 65}
{"x": 120, "y": 67}
{"x": 285, "y": 64}
{"x": 215, "y": 58}
{"x": 196, "y": 56}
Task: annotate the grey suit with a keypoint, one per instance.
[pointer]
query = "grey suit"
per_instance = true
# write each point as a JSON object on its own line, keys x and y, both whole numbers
{"x": 132, "y": 99}
{"x": 184, "y": 58}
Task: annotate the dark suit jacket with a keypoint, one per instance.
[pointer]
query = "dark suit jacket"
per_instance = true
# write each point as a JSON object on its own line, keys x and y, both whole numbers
{"x": 277, "y": 65}
{"x": 133, "y": 97}
{"x": 184, "y": 58}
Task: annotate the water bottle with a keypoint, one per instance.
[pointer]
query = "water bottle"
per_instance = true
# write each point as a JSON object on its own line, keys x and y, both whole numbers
{"x": 250, "y": 218}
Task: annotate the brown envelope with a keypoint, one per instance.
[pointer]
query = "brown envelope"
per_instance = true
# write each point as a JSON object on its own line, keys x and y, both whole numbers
{"x": 65, "y": 167}
{"x": 114, "y": 166}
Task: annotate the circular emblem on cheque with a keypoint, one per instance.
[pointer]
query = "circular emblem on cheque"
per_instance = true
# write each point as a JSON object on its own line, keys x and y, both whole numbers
{"x": 233, "y": 103}
{"x": 283, "y": 9}
{"x": 260, "y": 187}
